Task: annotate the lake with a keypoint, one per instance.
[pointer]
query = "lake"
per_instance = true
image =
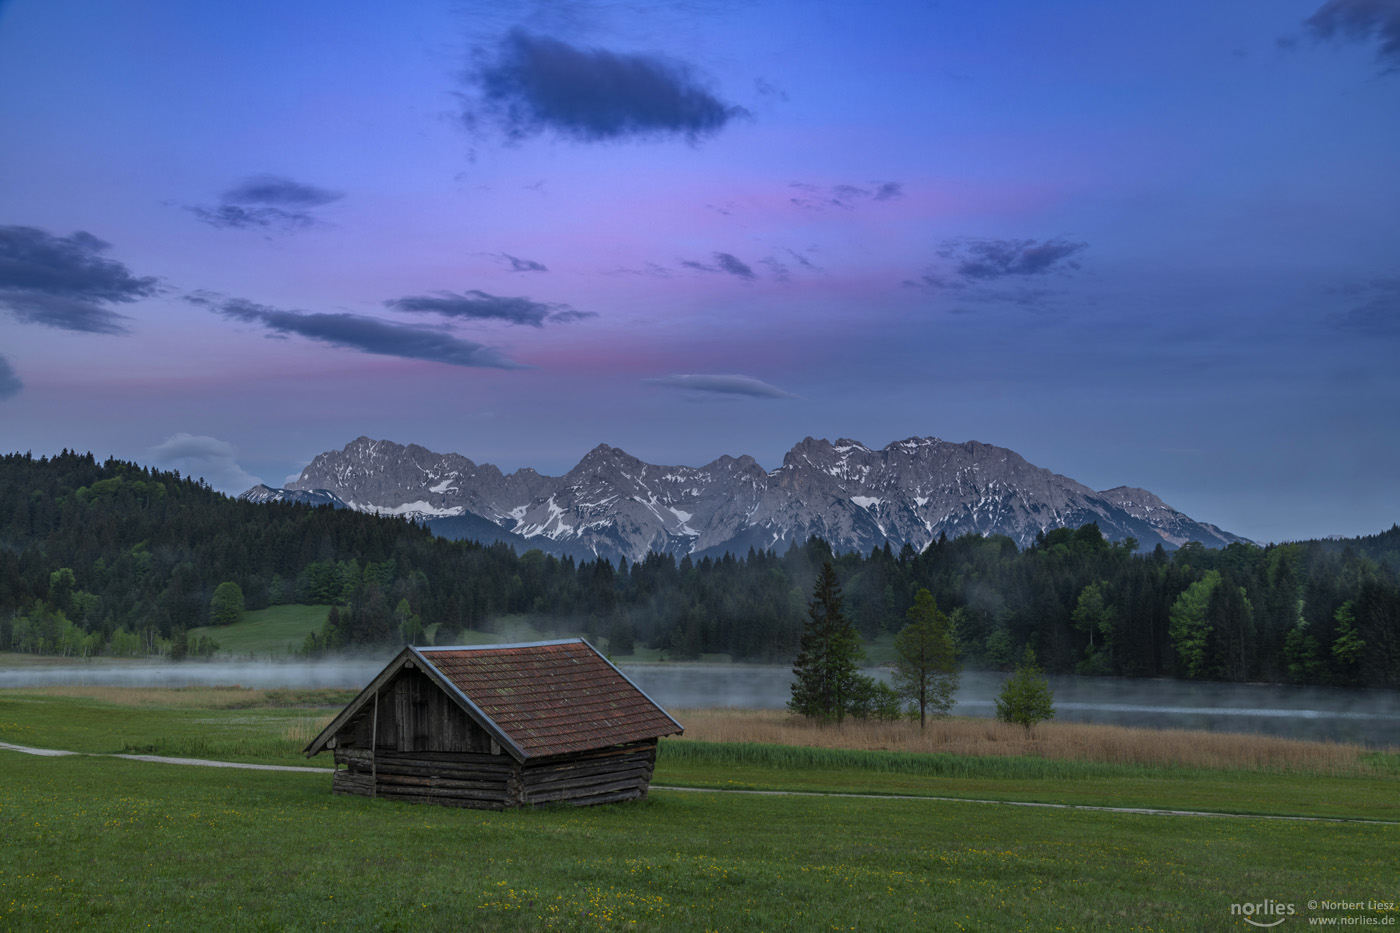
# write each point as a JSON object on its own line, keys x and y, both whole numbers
{"x": 1370, "y": 717}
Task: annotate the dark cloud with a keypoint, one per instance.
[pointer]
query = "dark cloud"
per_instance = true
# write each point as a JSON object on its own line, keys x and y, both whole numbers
{"x": 10, "y": 385}
{"x": 988, "y": 271}
{"x": 934, "y": 280}
{"x": 266, "y": 202}
{"x": 65, "y": 282}
{"x": 480, "y": 306}
{"x": 523, "y": 265}
{"x": 651, "y": 270}
{"x": 723, "y": 262}
{"x": 765, "y": 88}
{"x": 275, "y": 191}
{"x": 232, "y": 216}
{"x": 843, "y": 197}
{"x": 721, "y": 385}
{"x": 803, "y": 261}
{"x": 1379, "y": 313}
{"x": 354, "y": 332}
{"x": 985, "y": 260}
{"x": 780, "y": 271}
{"x": 732, "y": 265}
{"x": 1360, "y": 21}
{"x": 591, "y": 95}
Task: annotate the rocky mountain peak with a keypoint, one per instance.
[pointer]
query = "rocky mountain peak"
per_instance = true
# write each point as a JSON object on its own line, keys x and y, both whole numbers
{"x": 614, "y": 505}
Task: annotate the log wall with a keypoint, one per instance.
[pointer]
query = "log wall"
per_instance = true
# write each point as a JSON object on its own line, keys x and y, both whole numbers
{"x": 486, "y": 781}
{"x": 603, "y": 776}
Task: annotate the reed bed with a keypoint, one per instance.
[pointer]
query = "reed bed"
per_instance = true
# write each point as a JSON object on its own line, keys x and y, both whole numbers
{"x": 1063, "y": 741}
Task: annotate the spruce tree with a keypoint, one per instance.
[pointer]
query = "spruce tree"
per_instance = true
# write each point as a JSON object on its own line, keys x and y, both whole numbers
{"x": 828, "y": 682}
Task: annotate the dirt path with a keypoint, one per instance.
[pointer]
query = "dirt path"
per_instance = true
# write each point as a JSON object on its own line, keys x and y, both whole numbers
{"x": 200, "y": 762}
{"x": 1026, "y": 803}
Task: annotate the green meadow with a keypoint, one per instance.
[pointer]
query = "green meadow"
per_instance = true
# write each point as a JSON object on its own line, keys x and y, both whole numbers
{"x": 275, "y": 631}
{"x": 97, "y": 842}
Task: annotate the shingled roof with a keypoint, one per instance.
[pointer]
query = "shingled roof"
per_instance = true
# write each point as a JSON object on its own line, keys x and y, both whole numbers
{"x": 538, "y": 698}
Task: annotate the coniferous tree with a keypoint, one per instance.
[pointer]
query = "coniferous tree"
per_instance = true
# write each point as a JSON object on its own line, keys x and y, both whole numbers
{"x": 827, "y": 679}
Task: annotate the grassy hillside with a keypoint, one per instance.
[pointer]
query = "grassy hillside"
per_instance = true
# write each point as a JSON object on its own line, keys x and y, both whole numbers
{"x": 271, "y": 632}
{"x": 281, "y": 630}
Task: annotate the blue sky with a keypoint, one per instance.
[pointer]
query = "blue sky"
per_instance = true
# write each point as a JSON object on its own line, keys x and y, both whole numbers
{"x": 1146, "y": 244}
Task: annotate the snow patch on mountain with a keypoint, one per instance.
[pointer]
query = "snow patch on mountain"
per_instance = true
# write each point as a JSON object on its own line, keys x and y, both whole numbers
{"x": 613, "y": 505}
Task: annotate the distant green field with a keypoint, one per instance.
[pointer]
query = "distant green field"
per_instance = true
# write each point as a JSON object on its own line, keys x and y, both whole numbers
{"x": 271, "y": 632}
{"x": 282, "y": 630}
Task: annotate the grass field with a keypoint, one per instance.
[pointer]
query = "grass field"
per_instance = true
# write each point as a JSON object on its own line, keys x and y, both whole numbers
{"x": 104, "y": 843}
{"x": 281, "y": 630}
{"x": 273, "y": 632}
{"x": 99, "y": 843}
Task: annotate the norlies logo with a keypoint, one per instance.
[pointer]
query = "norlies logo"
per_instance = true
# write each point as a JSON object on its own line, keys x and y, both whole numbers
{"x": 1263, "y": 909}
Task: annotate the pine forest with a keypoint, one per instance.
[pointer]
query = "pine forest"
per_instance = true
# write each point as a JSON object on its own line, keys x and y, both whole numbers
{"x": 112, "y": 558}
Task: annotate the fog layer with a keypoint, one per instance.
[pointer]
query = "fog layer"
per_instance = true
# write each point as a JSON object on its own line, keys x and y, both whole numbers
{"x": 1370, "y": 717}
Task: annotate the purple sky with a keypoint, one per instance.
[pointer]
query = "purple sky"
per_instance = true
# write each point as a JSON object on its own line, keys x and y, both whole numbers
{"x": 1152, "y": 244}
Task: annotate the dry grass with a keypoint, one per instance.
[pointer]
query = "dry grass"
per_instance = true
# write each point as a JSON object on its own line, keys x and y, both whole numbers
{"x": 303, "y": 731}
{"x": 1062, "y": 740}
{"x": 193, "y": 697}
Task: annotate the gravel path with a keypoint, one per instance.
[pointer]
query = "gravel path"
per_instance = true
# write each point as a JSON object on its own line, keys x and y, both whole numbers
{"x": 1026, "y": 803}
{"x": 200, "y": 762}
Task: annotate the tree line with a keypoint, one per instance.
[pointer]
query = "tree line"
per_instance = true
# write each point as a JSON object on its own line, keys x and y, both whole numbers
{"x": 112, "y": 557}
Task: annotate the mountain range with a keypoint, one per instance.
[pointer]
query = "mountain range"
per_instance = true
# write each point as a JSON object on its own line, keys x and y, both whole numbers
{"x": 856, "y": 498}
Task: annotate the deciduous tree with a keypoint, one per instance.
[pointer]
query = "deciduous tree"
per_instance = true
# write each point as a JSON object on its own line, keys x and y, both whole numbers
{"x": 1190, "y": 628}
{"x": 226, "y": 605}
{"x": 1026, "y": 697}
{"x": 926, "y": 666}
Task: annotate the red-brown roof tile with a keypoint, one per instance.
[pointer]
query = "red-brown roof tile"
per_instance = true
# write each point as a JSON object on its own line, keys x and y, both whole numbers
{"x": 552, "y": 698}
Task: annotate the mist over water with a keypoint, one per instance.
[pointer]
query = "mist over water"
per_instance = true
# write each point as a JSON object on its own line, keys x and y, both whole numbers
{"x": 353, "y": 672}
{"x": 1369, "y": 717}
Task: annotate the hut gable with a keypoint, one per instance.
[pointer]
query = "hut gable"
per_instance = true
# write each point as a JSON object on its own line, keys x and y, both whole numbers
{"x": 498, "y": 725}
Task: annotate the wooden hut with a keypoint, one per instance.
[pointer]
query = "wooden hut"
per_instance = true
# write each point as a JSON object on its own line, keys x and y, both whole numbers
{"x": 493, "y": 726}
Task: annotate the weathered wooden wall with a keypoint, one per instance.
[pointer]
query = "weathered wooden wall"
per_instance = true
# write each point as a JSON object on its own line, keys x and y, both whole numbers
{"x": 603, "y": 776}
{"x": 486, "y": 781}
{"x": 453, "y": 779}
{"x": 415, "y": 715}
